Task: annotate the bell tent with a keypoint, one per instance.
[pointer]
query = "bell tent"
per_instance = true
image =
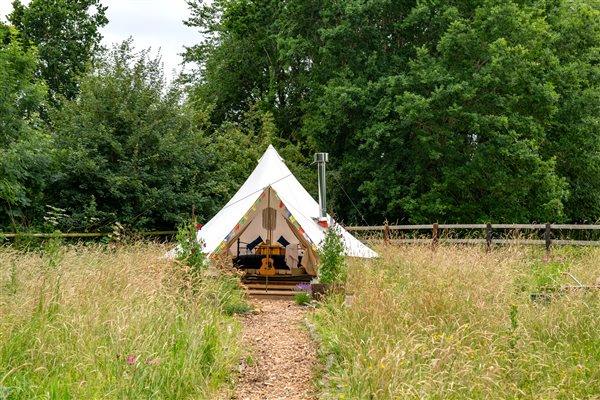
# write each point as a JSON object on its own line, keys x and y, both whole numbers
{"x": 272, "y": 215}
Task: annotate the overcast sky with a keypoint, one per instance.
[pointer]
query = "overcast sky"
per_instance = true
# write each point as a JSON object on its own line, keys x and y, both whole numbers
{"x": 152, "y": 23}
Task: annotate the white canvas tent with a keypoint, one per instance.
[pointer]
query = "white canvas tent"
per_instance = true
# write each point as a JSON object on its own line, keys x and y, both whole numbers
{"x": 272, "y": 185}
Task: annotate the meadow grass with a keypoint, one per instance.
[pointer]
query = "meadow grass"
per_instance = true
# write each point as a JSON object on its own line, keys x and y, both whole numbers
{"x": 113, "y": 322}
{"x": 459, "y": 323}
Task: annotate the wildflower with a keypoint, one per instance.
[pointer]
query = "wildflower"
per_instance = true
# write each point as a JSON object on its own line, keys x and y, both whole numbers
{"x": 199, "y": 226}
{"x": 193, "y": 251}
{"x": 303, "y": 287}
{"x": 131, "y": 360}
{"x": 152, "y": 362}
{"x": 382, "y": 366}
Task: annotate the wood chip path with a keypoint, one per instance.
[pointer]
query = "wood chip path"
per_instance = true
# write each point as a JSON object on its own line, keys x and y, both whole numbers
{"x": 281, "y": 354}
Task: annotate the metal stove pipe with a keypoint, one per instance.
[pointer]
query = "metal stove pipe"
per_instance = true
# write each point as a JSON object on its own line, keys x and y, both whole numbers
{"x": 321, "y": 159}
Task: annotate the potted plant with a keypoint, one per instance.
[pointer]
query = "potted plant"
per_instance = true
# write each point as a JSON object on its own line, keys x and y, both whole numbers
{"x": 332, "y": 263}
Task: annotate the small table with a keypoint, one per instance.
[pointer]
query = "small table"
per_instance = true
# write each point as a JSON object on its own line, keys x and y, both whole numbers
{"x": 273, "y": 249}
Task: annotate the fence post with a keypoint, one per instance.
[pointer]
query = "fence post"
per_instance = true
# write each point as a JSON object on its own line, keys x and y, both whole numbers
{"x": 548, "y": 239}
{"x": 488, "y": 237}
{"x": 434, "y": 236}
{"x": 386, "y": 233}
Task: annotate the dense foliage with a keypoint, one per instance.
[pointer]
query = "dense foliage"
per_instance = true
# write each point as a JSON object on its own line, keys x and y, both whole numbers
{"x": 332, "y": 257}
{"x": 66, "y": 35}
{"x": 23, "y": 147}
{"x": 448, "y": 111}
{"x": 432, "y": 110}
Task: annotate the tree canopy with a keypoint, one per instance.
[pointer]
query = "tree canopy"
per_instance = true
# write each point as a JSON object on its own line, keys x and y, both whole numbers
{"x": 443, "y": 111}
{"x": 66, "y": 34}
{"x": 23, "y": 147}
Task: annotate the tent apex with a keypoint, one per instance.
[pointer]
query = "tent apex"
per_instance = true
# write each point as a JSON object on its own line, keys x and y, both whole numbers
{"x": 271, "y": 152}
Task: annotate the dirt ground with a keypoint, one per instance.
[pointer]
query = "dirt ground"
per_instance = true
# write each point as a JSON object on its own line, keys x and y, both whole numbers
{"x": 281, "y": 355}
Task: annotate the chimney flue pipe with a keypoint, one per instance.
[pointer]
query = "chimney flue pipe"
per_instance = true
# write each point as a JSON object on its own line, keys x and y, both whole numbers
{"x": 321, "y": 159}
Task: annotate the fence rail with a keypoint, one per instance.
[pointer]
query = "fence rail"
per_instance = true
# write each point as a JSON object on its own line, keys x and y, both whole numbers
{"x": 489, "y": 240}
{"x": 473, "y": 226}
{"x": 81, "y": 235}
{"x": 435, "y": 238}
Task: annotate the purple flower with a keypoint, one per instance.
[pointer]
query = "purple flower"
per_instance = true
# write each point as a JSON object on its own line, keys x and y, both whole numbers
{"x": 303, "y": 287}
{"x": 131, "y": 360}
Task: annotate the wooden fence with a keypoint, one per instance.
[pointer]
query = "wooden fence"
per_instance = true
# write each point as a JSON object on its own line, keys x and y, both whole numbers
{"x": 437, "y": 233}
{"x": 81, "y": 235}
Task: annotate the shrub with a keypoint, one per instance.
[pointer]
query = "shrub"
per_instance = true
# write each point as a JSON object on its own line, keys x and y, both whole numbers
{"x": 189, "y": 249}
{"x": 303, "y": 294}
{"x": 302, "y": 298}
{"x": 332, "y": 257}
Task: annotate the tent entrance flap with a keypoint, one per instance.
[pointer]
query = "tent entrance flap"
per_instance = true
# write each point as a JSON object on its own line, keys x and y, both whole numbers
{"x": 267, "y": 226}
{"x": 310, "y": 259}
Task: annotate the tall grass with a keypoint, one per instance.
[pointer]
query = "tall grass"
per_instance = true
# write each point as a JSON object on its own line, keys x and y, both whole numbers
{"x": 87, "y": 323}
{"x": 457, "y": 323}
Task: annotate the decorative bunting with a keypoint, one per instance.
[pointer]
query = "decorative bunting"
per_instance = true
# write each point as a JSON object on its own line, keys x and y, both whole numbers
{"x": 280, "y": 204}
{"x": 237, "y": 227}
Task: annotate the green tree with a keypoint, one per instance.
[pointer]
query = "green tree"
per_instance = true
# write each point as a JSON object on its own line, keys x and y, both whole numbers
{"x": 128, "y": 148}
{"x": 451, "y": 129}
{"x": 66, "y": 33}
{"x": 432, "y": 110}
{"x": 250, "y": 81}
{"x": 241, "y": 64}
{"x": 574, "y": 135}
{"x": 24, "y": 158}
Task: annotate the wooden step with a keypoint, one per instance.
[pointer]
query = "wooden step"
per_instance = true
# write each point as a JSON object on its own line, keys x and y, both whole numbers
{"x": 271, "y": 293}
{"x": 274, "y": 286}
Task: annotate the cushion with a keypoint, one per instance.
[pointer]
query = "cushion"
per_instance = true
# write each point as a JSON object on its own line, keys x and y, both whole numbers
{"x": 282, "y": 241}
{"x": 254, "y": 243}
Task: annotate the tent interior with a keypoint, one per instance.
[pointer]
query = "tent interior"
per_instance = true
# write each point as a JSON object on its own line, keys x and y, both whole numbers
{"x": 268, "y": 232}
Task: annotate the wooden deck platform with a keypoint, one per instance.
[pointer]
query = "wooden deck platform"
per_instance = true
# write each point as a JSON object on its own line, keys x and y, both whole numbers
{"x": 278, "y": 286}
